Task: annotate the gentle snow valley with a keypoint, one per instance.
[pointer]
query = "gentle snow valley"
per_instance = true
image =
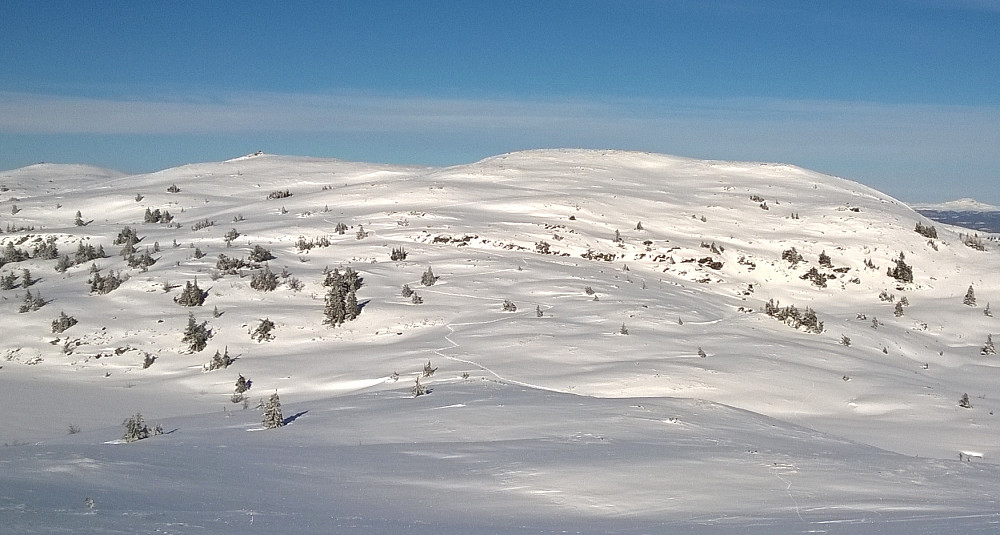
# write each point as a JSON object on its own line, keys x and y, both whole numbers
{"x": 604, "y": 329}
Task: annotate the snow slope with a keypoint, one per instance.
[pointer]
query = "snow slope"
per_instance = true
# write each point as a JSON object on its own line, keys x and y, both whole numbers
{"x": 534, "y": 423}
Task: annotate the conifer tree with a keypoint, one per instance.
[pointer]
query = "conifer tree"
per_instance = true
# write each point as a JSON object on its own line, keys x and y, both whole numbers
{"x": 351, "y": 306}
{"x": 196, "y": 335}
{"x": 62, "y": 323}
{"x": 191, "y": 296}
{"x": 272, "y": 413}
{"x": 263, "y": 331}
{"x": 989, "y": 348}
{"x": 428, "y": 278}
{"x": 970, "y": 297}
{"x": 335, "y": 311}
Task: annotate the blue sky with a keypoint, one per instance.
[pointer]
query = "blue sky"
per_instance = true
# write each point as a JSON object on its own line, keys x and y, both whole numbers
{"x": 903, "y": 95}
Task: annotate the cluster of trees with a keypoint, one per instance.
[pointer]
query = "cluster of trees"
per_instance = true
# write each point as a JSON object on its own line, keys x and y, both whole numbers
{"x": 341, "y": 297}
{"x": 902, "y": 271}
{"x": 925, "y": 231}
{"x": 790, "y": 315}
{"x": 156, "y": 216}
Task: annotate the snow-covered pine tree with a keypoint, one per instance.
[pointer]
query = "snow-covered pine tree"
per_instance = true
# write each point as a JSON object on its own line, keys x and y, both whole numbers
{"x": 264, "y": 280}
{"x": 272, "y": 413}
{"x": 970, "y": 297}
{"x": 263, "y": 331}
{"x": 136, "y": 429}
{"x": 418, "y": 389}
{"x": 196, "y": 335}
{"x": 191, "y": 296}
{"x": 220, "y": 361}
{"x": 62, "y": 323}
{"x": 428, "y": 278}
{"x": 335, "y": 311}
{"x": 989, "y": 348}
{"x": 351, "y": 308}
{"x": 242, "y": 384}
{"x": 902, "y": 272}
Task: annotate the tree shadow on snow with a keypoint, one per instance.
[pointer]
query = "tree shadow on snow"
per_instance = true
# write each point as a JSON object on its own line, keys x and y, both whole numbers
{"x": 292, "y": 418}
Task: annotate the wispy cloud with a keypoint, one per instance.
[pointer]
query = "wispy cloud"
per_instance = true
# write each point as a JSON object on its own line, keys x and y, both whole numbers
{"x": 890, "y": 142}
{"x": 751, "y": 122}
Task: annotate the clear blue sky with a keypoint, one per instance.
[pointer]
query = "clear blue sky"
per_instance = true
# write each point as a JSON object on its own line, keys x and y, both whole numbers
{"x": 903, "y": 95}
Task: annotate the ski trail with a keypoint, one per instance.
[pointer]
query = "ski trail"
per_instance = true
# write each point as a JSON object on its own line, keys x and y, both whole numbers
{"x": 788, "y": 490}
{"x": 454, "y": 345}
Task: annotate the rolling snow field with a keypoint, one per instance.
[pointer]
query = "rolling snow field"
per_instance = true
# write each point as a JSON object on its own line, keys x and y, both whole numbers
{"x": 601, "y": 336}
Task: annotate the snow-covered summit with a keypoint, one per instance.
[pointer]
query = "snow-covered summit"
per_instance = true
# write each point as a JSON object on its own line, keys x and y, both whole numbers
{"x": 959, "y": 205}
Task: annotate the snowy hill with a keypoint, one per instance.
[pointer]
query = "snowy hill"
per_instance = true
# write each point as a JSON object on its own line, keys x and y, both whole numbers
{"x": 639, "y": 383}
{"x": 958, "y": 205}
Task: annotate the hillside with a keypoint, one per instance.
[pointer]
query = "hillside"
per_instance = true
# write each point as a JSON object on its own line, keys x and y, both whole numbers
{"x": 638, "y": 385}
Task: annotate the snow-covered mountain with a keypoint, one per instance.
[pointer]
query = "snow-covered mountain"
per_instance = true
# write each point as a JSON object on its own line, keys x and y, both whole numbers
{"x": 958, "y": 205}
{"x": 639, "y": 383}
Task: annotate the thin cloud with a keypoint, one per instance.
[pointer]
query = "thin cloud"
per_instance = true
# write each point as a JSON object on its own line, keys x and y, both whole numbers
{"x": 762, "y": 128}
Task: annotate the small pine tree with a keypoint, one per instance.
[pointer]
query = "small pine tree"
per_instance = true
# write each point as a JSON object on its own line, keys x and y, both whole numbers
{"x": 136, "y": 429}
{"x": 263, "y": 331}
{"x": 351, "y": 308}
{"x": 845, "y": 340}
{"x": 63, "y": 264}
{"x": 260, "y": 254}
{"x": 970, "y": 297}
{"x": 272, "y": 413}
{"x": 509, "y": 306}
{"x": 406, "y": 291}
{"x": 428, "y": 278}
{"x": 264, "y": 280}
{"x": 79, "y": 219}
{"x": 902, "y": 272}
{"x": 418, "y": 389}
{"x": 623, "y": 330}
{"x": 63, "y": 322}
{"x": 335, "y": 311}
{"x": 701, "y": 353}
{"x": 987, "y": 312}
{"x": 416, "y": 299}
{"x": 428, "y": 369}
{"x": 964, "y": 402}
{"x": 989, "y": 348}
{"x": 192, "y": 296}
{"x": 824, "y": 260}
{"x": 538, "y": 311}
{"x": 242, "y": 384}
{"x": 220, "y": 361}
{"x": 898, "y": 311}
{"x": 196, "y": 335}
{"x": 340, "y": 228}
{"x": 398, "y": 254}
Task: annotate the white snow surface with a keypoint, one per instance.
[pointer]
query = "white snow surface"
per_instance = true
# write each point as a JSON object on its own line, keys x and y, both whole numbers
{"x": 533, "y": 424}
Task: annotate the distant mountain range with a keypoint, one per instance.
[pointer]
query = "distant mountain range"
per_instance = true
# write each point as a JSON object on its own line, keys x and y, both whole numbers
{"x": 967, "y": 213}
